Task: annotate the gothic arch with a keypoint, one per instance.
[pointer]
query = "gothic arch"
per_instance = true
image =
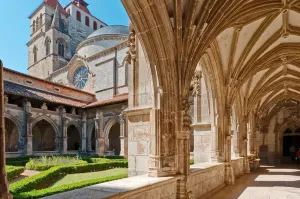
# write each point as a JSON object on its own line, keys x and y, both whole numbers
{"x": 44, "y": 135}
{"x": 18, "y": 125}
{"x": 90, "y": 130}
{"x": 74, "y": 135}
{"x": 49, "y": 120}
{"x": 113, "y": 121}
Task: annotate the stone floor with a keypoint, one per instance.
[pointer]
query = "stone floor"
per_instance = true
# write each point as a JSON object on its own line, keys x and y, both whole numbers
{"x": 268, "y": 182}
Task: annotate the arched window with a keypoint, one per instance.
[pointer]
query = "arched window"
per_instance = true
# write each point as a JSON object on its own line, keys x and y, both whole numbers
{"x": 34, "y": 54}
{"x": 41, "y": 20}
{"x": 37, "y": 23}
{"x": 87, "y": 21}
{"x": 95, "y": 25}
{"x": 33, "y": 26}
{"x": 78, "y": 16}
{"x": 61, "y": 49}
{"x": 47, "y": 45}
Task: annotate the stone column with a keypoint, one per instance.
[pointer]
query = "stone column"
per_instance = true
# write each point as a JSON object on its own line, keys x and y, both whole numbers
{"x": 4, "y": 187}
{"x": 229, "y": 174}
{"x": 29, "y": 120}
{"x": 61, "y": 112}
{"x": 245, "y": 144}
{"x": 65, "y": 134}
{"x": 123, "y": 135}
{"x": 83, "y": 134}
{"x": 99, "y": 133}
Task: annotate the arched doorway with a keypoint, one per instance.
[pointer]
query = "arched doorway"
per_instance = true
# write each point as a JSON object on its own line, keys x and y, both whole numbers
{"x": 290, "y": 138}
{"x": 74, "y": 140}
{"x": 114, "y": 139}
{"x": 11, "y": 136}
{"x": 43, "y": 136}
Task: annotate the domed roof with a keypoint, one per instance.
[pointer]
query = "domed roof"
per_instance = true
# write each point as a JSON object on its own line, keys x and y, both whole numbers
{"x": 110, "y": 30}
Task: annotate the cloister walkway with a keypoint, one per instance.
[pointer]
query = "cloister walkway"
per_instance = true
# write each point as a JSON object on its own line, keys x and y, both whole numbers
{"x": 268, "y": 182}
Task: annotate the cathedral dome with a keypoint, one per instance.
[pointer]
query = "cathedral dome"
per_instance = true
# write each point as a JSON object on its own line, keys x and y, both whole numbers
{"x": 110, "y": 30}
{"x": 103, "y": 39}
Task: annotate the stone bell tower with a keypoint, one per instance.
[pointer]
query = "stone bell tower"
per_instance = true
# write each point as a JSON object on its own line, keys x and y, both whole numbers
{"x": 48, "y": 48}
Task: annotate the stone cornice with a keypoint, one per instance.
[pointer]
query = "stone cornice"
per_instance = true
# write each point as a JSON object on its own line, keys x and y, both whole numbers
{"x": 101, "y": 38}
{"x": 35, "y": 38}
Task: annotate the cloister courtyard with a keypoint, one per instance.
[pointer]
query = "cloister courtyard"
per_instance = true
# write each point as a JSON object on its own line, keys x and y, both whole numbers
{"x": 194, "y": 99}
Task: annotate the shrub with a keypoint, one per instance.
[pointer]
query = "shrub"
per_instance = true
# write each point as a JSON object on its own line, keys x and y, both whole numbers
{"x": 191, "y": 161}
{"x": 13, "y": 172}
{"x": 32, "y": 182}
{"x": 45, "y": 163}
{"x": 64, "y": 188}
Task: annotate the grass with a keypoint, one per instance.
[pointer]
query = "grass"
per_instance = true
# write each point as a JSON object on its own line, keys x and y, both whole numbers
{"x": 78, "y": 177}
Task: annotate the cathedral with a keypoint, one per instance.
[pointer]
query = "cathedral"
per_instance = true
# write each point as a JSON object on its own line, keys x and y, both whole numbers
{"x": 76, "y": 89}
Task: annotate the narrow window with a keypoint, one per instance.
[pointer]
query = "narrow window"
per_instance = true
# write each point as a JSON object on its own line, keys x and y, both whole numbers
{"x": 95, "y": 25}
{"x": 34, "y": 54}
{"x": 37, "y": 23}
{"x": 61, "y": 49}
{"x": 69, "y": 12}
{"x": 47, "y": 44}
{"x": 78, "y": 16}
{"x": 33, "y": 26}
{"x": 87, "y": 21}
{"x": 41, "y": 20}
{"x": 101, "y": 26}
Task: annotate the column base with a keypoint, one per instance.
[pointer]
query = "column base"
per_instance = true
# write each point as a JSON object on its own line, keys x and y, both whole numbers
{"x": 182, "y": 188}
{"x": 229, "y": 174}
{"x": 246, "y": 165}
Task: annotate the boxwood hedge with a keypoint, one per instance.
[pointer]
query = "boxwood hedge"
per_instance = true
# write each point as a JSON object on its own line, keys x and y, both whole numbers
{"x": 68, "y": 187}
{"x": 43, "y": 167}
{"x": 30, "y": 183}
{"x": 13, "y": 171}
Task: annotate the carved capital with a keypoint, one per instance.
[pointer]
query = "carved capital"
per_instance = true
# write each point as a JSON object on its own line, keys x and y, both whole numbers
{"x": 196, "y": 82}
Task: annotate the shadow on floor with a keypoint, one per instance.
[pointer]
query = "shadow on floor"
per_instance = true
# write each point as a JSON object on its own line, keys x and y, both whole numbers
{"x": 268, "y": 182}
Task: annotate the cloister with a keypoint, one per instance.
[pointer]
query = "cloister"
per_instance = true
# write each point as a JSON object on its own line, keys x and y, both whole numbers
{"x": 224, "y": 74}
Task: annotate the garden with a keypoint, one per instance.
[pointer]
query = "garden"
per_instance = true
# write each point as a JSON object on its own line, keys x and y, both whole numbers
{"x": 62, "y": 173}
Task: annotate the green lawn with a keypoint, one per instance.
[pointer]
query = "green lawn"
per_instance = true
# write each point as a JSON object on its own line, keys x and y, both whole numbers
{"x": 71, "y": 178}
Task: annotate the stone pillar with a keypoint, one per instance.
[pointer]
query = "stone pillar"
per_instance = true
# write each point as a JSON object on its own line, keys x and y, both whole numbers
{"x": 244, "y": 150}
{"x": 184, "y": 151}
{"x": 29, "y": 120}
{"x": 229, "y": 174}
{"x": 99, "y": 133}
{"x": 61, "y": 111}
{"x": 4, "y": 187}
{"x": 65, "y": 134}
{"x": 83, "y": 134}
{"x": 123, "y": 135}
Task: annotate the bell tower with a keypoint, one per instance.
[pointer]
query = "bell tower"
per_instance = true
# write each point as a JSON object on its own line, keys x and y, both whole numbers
{"x": 49, "y": 40}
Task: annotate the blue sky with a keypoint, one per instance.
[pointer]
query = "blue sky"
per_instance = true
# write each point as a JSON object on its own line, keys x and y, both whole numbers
{"x": 15, "y": 30}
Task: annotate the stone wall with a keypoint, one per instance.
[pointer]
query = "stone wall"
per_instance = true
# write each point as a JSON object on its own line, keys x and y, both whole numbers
{"x": 205, "y": 179}
{"x": 139, "y": 131}
{"x": 238, "y": 166}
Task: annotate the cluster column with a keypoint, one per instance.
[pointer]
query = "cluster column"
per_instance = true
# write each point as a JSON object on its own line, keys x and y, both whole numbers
{"x": 123, "y": 135}
{"x": 99, "y": 133}
{"x": 29, "y": 120}
{"x": 83, "y": 133}
{"x": 229, "y": 174}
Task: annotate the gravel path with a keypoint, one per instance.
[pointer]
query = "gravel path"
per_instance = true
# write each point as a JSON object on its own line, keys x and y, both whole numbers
{"x": 25, "y": 174}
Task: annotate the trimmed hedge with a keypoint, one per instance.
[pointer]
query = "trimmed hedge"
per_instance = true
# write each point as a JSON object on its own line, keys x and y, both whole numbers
{"x": 13, "y": 172}
{"x": 32, "y": 182}
{"x": 42, "y": 167}
{"x": 55, "y": 190}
